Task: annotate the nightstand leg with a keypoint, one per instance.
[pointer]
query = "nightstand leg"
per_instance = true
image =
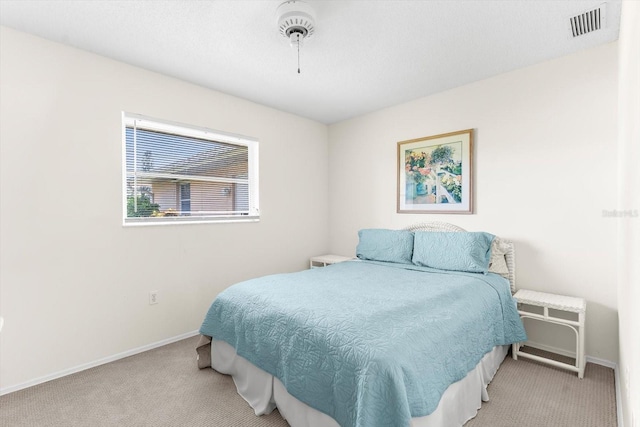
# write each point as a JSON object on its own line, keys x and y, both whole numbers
{"x": 580, "y": 354}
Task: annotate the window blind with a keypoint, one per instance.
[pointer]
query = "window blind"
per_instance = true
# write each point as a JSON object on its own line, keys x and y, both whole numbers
{"x": 179, "y": 173}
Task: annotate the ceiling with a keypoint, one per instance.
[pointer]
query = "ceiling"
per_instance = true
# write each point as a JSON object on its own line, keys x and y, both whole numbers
{"x": 364, "y": 55}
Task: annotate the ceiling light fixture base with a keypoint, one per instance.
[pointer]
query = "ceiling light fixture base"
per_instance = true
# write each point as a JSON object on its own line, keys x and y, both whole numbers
{"x": 296, "y": 21}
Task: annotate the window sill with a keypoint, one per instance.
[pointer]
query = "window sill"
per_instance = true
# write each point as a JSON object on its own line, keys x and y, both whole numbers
{"x": 185, "y": 221}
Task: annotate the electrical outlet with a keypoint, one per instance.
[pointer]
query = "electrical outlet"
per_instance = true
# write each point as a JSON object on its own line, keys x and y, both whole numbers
{"x": 153, "y": 297}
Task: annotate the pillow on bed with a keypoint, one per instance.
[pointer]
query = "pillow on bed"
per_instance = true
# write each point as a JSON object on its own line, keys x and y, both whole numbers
{"x": 385, "y": 245}
{"x": 457, "y": 251}
{"x": 498, "y": 264}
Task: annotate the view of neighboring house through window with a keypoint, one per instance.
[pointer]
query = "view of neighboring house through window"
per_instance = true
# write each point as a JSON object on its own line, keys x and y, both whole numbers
{"x": 178, "y": 173}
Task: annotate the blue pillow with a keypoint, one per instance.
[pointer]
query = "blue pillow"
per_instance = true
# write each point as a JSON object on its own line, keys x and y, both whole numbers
{"x": 385, "y": 245}
{"x": 457, "y": 251}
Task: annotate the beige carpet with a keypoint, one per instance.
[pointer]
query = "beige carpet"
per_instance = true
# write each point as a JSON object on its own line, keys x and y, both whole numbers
{"x": 163, "y": 387}
{"x": 525, "y": 393}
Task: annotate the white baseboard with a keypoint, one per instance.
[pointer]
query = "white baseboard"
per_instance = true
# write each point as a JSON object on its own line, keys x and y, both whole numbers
{"x": 85, "y": 366}
{"x": 590, "y": 359}
{"x": 618, "y": 398}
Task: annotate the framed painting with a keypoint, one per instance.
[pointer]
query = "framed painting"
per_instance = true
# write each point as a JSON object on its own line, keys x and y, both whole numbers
{"x": 435, "y": 174}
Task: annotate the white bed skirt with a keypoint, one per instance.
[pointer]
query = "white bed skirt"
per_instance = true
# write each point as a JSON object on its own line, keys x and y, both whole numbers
{"x": 459, "y": 403}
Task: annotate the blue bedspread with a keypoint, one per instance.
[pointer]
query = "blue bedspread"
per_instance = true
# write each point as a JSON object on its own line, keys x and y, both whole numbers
{"x": 370, "y": 344}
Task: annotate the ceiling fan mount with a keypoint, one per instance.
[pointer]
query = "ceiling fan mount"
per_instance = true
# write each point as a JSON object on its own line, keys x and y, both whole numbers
{"x": 296, "y": 21}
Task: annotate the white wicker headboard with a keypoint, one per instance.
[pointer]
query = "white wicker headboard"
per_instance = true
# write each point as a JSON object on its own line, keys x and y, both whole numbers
{"x": 510, "y": 256}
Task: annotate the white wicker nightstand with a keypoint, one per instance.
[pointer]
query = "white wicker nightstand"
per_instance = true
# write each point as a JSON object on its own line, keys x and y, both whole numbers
{"x": 556, "y": 302}
{"x": 324, "y": 260}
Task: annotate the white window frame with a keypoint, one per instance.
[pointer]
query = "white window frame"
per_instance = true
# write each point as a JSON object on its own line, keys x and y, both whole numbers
{"x": 143, "y": 122}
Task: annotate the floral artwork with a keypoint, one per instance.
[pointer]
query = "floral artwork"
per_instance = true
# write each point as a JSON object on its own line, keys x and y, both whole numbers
{"x": 435, "y": 174}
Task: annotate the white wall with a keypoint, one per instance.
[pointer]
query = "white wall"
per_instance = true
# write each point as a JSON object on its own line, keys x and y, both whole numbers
{"x": 629, "y": 206}
{"x": 545, "y": 169}
{"x": 74, "y": 283}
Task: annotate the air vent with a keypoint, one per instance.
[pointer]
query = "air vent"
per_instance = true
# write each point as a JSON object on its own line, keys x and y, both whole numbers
{"x": 588, "y": 22}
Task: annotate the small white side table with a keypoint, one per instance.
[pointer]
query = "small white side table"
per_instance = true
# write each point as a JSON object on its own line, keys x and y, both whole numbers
{"x": 324, "y": 260}
{"x": 556, "y": 302}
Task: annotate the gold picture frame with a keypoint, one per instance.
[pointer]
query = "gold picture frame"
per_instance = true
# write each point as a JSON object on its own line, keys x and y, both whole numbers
{"x": 435, "y": 174}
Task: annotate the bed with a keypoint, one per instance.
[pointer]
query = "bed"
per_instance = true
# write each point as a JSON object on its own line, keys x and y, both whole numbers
{"x": 409, "y": 334}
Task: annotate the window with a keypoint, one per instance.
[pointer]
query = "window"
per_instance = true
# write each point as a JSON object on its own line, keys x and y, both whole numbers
{"x": 177, "y": 173}
{"x": 185, "y": 198}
